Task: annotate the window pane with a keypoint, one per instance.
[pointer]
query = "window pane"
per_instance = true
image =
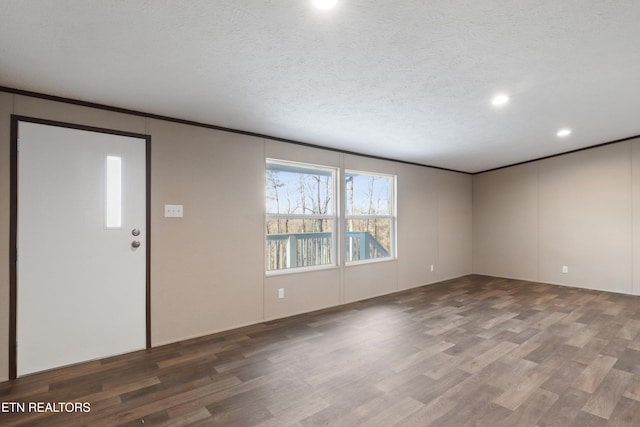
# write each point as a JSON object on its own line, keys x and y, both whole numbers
{"x": 113, "y": 205}
{"x": 298, "y": 243}
{"x": 368, "y": 194}
{"x": 298, "y": 190}
{"x": 368, "y": 239}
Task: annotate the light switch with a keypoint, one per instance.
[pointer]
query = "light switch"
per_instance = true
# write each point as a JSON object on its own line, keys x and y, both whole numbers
{"x": 173, "y": 211}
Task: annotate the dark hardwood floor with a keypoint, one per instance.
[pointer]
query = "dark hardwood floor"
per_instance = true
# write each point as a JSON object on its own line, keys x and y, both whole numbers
{"x": 471, "y": 351}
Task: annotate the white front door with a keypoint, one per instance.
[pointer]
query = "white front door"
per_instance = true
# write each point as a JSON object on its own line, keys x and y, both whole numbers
{"x": 81, "y": 276}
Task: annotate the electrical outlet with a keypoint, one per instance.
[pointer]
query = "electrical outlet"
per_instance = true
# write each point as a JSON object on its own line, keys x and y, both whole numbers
{"x": 431, "y": 267}
{"x": 565, "y": 269}
{"x": 280, "y": 293}
{"x": 173, "y": 211}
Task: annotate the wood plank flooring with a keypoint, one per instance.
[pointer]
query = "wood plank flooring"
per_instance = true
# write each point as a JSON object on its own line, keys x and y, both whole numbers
{"x": 476, "y": 350}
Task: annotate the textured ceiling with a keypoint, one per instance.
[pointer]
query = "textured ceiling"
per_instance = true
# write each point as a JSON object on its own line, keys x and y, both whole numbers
{"x": 408, "y": 79}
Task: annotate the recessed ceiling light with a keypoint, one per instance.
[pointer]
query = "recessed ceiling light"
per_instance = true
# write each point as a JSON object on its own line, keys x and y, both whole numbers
{"x": 500, "y": 99}
{"x": 324, "y": 4}
{"x": 563, "y": 132}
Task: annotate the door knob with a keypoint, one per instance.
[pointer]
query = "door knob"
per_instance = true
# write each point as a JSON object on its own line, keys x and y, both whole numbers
{"x": 135, "y": 232}
{"x": 135, "y": 244}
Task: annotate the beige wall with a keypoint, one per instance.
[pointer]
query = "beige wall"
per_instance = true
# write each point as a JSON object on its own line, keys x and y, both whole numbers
{"x": 505, "y": 222}
{"x": 6, "y": 105}
{"x": 418, "y": 246}
{"x": 455, "y": 223}
{"x": 434, "y": 225}
{"x": 579, "y": 210}
{"x": 207, "y": 278}
{"x": 206, "y": 268}
{"x": 635, "y": 214}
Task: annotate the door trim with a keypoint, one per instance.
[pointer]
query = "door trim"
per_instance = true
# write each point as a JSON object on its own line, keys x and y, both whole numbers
{"x": 13, "y": 221}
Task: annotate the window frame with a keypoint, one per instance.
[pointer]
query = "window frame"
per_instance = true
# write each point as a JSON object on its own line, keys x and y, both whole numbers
{"x": 392, "y": 216}
{"x": 332, "y": 217}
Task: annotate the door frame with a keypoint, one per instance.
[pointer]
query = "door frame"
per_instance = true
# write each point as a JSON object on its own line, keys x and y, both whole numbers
{"x": 13, "y": 221}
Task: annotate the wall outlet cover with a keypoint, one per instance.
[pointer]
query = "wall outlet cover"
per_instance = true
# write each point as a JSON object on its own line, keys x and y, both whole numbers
{"x": 173, "y": 211}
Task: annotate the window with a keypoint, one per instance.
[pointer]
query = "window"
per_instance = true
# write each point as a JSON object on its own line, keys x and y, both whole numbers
{"x": 113, "y": 191}
{"x": 300, "y": 215}
{"x": 369, "y": 216}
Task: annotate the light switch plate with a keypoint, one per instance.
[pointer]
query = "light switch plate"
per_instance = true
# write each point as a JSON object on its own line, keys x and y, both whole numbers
{"x": 173, "y": 211}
